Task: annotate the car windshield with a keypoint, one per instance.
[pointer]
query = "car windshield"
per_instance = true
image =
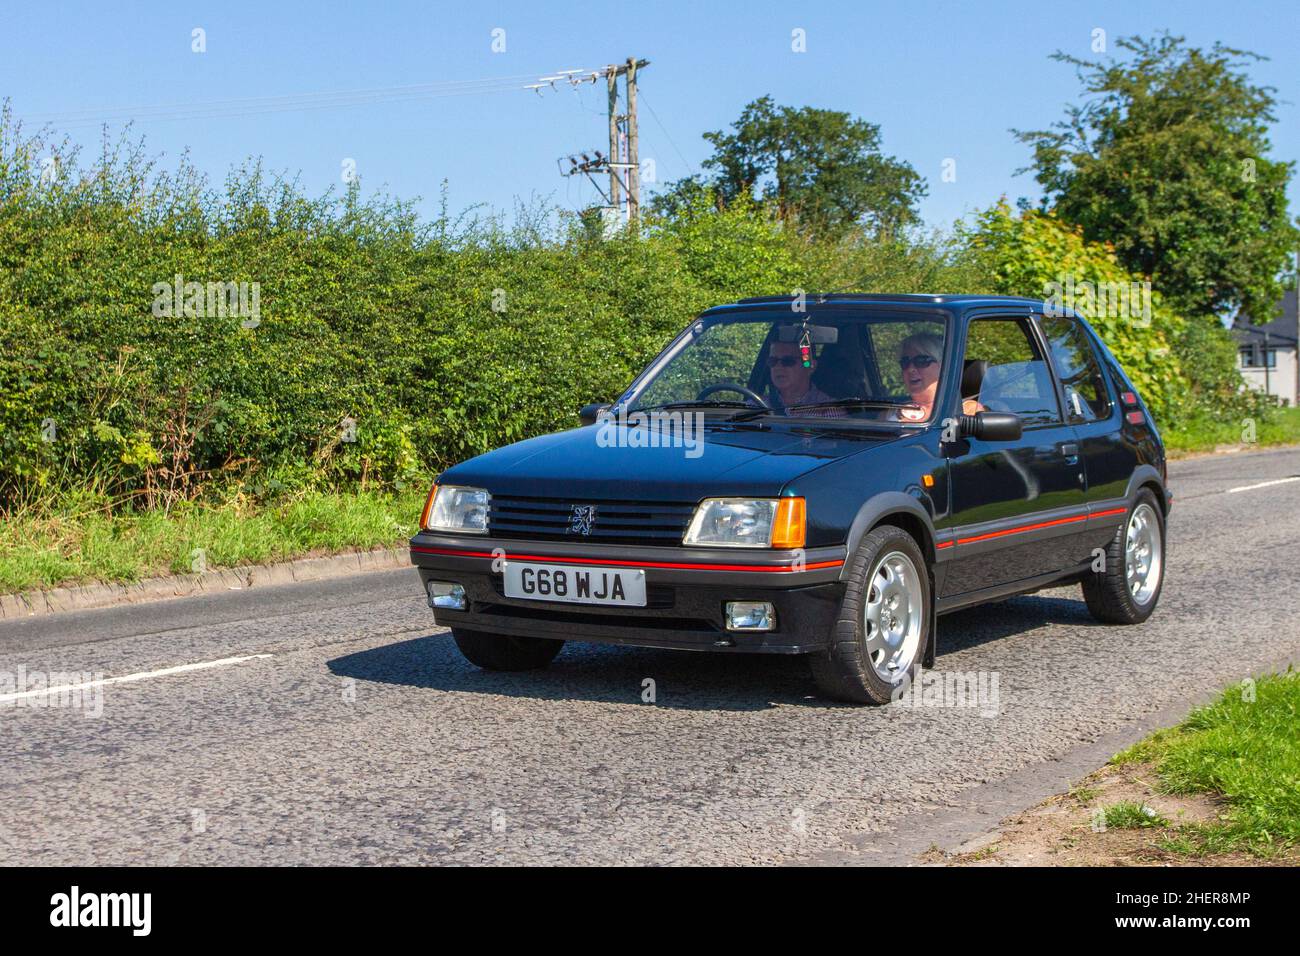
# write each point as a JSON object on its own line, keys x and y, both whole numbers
{"x": 834, "y": 364}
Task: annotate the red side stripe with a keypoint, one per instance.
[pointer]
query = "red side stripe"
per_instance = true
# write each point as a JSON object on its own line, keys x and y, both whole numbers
{"x": 1032, "y": 527}
{"x": 1022, "y": 528}
{"x": 1112, "y": 511}
{"x": 554, "y": 559}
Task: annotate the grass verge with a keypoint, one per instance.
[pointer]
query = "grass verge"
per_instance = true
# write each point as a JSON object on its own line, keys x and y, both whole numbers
{"x": 83, "y": 540}
{"x": 1204, "y": 434}
{"x": 1245, "y": 749}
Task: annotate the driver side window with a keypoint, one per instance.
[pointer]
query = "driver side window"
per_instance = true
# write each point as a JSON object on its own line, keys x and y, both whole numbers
{"x": 1006, "y": 372}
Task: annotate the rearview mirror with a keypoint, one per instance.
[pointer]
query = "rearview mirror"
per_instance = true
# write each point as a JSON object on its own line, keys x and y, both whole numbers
{"x": 817, "y": 334}
{"x": 991, "y": 426}
{"x": 589, "y": 414}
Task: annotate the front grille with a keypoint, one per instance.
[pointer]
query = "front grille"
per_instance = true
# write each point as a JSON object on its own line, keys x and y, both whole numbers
{"x": 615, "y": 522}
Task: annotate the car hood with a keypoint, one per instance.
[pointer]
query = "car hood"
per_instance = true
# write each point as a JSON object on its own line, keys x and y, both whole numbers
{"x": 623, "y": 462}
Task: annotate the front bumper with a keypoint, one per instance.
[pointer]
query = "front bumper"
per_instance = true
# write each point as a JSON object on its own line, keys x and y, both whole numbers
{"x": 686, "y": 590}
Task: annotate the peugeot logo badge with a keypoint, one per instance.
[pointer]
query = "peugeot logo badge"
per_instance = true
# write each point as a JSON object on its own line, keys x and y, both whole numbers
{"x": 581, "y": 519}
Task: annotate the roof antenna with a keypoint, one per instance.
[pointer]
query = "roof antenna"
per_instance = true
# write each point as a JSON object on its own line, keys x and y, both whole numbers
{"x": 821, "y": 296}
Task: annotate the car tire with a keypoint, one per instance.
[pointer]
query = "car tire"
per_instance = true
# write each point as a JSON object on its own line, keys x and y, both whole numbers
{"x": 503, "y": 652}
{"x": 862, "y": 665}
{"x": 1127, "y": 588}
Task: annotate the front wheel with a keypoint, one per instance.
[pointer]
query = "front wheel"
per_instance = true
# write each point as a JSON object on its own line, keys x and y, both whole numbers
{"x": 502, "y": 652}
{"x": 1127, "y": 587}
{"x": 884, "y": 622}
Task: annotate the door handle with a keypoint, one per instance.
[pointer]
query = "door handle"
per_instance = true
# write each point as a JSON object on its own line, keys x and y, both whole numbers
{"x": 1070, "y": 449}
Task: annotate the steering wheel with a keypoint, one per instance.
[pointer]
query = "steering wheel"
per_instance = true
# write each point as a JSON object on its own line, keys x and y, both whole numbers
{"x": 732, "y": 387}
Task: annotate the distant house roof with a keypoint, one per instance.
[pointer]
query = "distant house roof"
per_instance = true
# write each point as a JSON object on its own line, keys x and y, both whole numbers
{"x": 1284, "y": 330}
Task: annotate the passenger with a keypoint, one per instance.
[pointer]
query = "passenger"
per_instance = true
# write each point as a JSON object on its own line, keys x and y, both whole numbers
{"x": 921, "y": 357}
{"x": 793, "y": 382}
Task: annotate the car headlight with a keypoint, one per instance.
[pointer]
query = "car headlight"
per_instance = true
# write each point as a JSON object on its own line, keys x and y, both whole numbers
{"x": 457, "y": 508}
{"x": 747, "y": 523}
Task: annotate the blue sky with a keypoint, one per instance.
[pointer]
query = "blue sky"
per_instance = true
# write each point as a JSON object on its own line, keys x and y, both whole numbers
{"x": 944, "y": 80}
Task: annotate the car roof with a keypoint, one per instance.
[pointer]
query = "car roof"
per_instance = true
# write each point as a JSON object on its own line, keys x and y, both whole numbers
{"x": 964, "y": 300}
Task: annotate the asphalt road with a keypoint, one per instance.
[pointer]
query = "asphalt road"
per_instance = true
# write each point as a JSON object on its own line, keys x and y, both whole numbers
{"x": 355, "y": 733}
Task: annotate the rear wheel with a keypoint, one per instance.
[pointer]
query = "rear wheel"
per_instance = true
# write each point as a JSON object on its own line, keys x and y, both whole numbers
{"x": 1127, "y": 588}
{"x": 502, "y": 652}
{"x": 884, "y": 622}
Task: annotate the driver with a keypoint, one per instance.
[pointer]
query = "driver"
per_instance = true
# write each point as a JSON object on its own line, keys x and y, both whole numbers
{"x": 793, "y": 382}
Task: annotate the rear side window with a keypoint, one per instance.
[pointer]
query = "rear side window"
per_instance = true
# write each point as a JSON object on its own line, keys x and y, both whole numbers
{"x": 1015, "y": 373}
{"x": 1076, "y": 362}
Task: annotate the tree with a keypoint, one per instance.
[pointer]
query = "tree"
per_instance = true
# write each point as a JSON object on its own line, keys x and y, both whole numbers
{"x": 1025, "y": 253}
{"x": 1166, "y": 160}
{"x": 821, "y": 170}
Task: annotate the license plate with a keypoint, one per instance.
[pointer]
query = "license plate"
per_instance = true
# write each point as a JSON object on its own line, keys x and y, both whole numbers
{"x": 575, "y": 584}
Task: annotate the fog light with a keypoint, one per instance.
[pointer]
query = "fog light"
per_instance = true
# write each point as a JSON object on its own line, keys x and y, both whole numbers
{"x": 750, "y": 616}
{"x": 444, "y": 594}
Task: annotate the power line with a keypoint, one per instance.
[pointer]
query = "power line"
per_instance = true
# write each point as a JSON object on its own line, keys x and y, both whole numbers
{"x": 671, "y": 141}
{"x": 217, "y": 109}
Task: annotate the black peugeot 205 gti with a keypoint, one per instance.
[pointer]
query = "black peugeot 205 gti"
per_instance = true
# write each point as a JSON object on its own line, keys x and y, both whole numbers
{"x": 821, "y": 476}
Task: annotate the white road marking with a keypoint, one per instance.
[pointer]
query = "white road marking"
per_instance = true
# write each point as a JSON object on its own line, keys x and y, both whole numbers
{"x": 128, "y": 678}
{"x": 1262, "y": 484}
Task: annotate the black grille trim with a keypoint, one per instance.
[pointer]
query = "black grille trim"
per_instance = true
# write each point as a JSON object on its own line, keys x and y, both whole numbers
{"x": 617, "y": 522}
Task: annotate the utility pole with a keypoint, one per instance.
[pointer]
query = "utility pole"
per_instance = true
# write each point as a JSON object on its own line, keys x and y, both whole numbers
{"x": 623, "y": 129}
{"x": 624, "y": 141}
{"x": 633, "y": 159}
{"x": 611, "y": 79}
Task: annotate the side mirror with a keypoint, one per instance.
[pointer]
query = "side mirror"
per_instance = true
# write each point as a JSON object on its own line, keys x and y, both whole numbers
{"x": 590, "y": 413}
{"x": 991, "y": 426}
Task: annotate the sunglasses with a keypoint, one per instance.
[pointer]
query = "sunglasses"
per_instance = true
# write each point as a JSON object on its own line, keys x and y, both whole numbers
{"x": 785, "y": 361}
{"x": 920, "y": 361}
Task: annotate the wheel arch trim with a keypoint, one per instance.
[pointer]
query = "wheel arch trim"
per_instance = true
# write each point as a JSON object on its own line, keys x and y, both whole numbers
{"x": 880, "y": 507}
{"x": 1148, "y": 476}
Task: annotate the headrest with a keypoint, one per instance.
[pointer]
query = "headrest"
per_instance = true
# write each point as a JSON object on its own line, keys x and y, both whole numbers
{"x": 972, "y": 377}
{"x": 840, "y": 371}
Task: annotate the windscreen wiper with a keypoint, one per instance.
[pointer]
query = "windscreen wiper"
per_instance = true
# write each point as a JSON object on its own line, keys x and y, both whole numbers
{"x": 850, "y": 403}
{"x": 706, "y": 403}
{"x": 834, "y": 403}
